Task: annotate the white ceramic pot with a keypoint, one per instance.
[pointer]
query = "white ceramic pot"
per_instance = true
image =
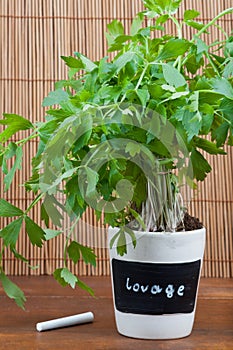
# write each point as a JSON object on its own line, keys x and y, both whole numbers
{"x": 155, "y": 285}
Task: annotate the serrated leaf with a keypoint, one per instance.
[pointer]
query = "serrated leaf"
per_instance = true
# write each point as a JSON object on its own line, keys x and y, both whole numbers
{"x": 74, "y": 251}
{"x": 73, "y": 62}
{"x": 192, "y": 123}
{"x": 9, "y": 210}
{"x": 10, "y": 233}
{"x": 12, "y": 290}
{"x": 136, "y": 24}
{"x": 89, "y": 66}
{"x": 55, "y": 97}
{"x": 35, "y": 232}
{"x": 115, "y": 28}
{"x": 88, "y": 255}
{"x": 173, "y": 48}
{"x": 161, "y": 6}
{"x": 220, "y": 134}
{"x": 58, "y": 278}
{"x": 16, "y": 166}
{"x": 15, "y": 123}
{"x": 208, "y": 146}
{"x": 173, "y": 76}
{"x": 69, "y": 277}
{"x": 200, "y": 166}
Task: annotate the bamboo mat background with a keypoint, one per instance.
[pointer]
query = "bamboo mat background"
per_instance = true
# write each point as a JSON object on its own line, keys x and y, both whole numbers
{"x": 34, "y": 34}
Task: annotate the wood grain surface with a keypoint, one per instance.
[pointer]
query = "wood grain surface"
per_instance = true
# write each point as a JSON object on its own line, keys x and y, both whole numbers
{"x": 213, "y": 328}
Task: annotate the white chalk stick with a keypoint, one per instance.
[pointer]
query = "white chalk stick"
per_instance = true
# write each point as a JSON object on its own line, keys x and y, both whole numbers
{"x": 86, "y": 317}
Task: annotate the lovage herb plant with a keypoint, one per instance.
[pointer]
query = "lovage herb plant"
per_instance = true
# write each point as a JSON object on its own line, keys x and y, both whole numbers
{"x": 121, "y": 134}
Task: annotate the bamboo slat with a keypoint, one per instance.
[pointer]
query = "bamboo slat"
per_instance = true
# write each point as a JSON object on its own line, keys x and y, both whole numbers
{"x": 34, "y": 34}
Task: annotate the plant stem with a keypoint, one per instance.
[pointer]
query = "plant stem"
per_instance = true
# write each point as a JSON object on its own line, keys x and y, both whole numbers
{"x": 142, "y": 76}
{"x": 209, "y": 24}
{"x": 68, "y": 239}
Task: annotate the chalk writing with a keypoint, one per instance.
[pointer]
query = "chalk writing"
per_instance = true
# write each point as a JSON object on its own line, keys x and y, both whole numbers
{"x": 154, "y": 289}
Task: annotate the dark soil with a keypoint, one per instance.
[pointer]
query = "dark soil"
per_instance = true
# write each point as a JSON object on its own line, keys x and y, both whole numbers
{"x": 190, "y": 223}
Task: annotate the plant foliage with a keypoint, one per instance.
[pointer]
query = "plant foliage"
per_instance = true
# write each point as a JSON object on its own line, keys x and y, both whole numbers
{"x": 150, "y": 108}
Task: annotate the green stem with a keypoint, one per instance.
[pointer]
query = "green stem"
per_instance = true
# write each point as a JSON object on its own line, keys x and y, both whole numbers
{"x": 32, "y": 136}
{"x": 209, "y": 24}
{"x": 179, "y": 32}
{"x": 67, "y": 241}
{"x": 212, "y": 63}
{"x": 142, "y": 76}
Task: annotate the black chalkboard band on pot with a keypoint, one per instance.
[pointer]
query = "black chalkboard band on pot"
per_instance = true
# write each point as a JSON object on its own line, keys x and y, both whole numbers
{"x": 155, "y": 284}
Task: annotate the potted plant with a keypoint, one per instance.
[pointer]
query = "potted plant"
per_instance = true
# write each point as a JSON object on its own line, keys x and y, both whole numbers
{"x": 122, "y": 136}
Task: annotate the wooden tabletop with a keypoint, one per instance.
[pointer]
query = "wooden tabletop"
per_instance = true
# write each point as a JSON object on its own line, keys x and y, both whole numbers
{"x": 46, "y": 299}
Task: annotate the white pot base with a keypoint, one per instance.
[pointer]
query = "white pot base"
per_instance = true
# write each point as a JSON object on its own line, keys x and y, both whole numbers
{"x": 154, "y": 326}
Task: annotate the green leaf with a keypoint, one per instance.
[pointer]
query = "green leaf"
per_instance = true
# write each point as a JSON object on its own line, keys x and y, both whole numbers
{"x": 122, "y": 60}
{"x": 200, "y": 166}
{"x": 89, "y": 66}
{"x": 143, "y": 95}
{"x": 136, "y": 24}
{"x": 114, "y": 238}
{"x": 115, "y": 28}
{"x": 173, "y": 48}
{"x": 194, "y": 24}
{"x": 121, "y": 243}
{"x": 15, "y": 123}
{"x": 223, "y": 87}
{"x": 190, "y": 14}
{"x": 16, "y": 166}
{"x": 69, "y": 277}
{"x": 208, "y": 146}
{"x": 88, "y": 255}
{"x": 74, "y": 251}
{"x": 9, "y": 210}
{"x": 10, "y": 233}
{"x": 85, "y": 287}
{"x": 12, "y": 290}
{"x": 55, "y": 97}
{"x": 73, "y": 62}
{"x": 133, "y": 148}
{"x": 50, "y": 234}
{"x": 201, "y": 46}
{"x": 161, "y": 6}
{"x": 220, "y": 134}
{"x": 92, "y": 180}
{"x": 58, "y": 278}
{"x": 192, "y": 122}
{"x": 35, "y": 232}
{"x": 49, "y": 207}
{"x": 132, "y": 236}
{"x": 173, "y": 76}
